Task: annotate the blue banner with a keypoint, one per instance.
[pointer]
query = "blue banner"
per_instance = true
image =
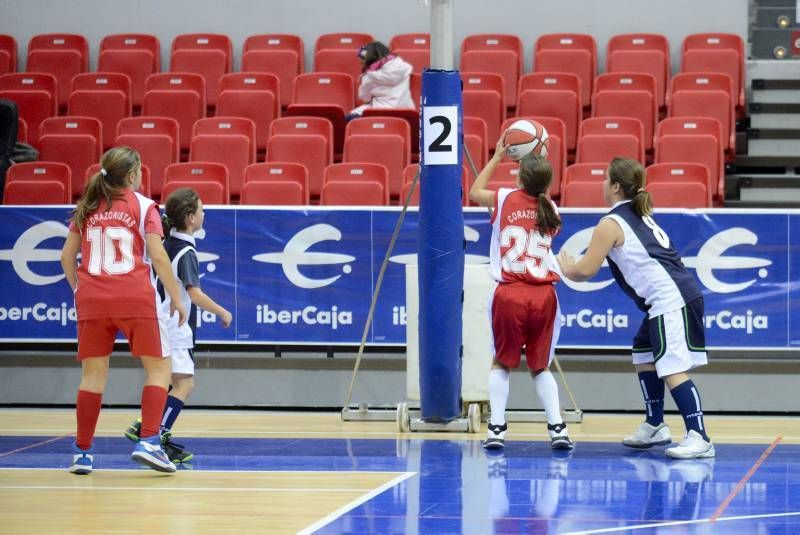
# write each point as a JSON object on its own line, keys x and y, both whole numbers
{"x": 307, "y": 276}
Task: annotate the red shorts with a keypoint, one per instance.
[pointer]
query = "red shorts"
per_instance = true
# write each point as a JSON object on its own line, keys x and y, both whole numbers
{"x": 147, "y": 337}
{"x": 525, "y": 315}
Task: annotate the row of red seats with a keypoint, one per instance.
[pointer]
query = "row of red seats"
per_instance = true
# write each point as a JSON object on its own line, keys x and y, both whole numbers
{"x": 616, "y": 95}
{"x": 231, "y": 141}
{"x": 680, "y": 185}
{"x": 210, "y": 55}
{"x": 279, "y": 183}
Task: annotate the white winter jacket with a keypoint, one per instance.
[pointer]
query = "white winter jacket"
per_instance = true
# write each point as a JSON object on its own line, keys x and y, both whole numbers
{"x": 386, "y": 87}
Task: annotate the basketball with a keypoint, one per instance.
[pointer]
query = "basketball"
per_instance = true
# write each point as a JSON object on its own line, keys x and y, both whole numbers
{"x": 524, "y": 137}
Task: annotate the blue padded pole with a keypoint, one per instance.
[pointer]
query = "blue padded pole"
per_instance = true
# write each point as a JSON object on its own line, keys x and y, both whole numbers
{"x": 441, "y": 247}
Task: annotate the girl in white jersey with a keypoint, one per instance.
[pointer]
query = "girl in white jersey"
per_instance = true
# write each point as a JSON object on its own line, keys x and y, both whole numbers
{"x": 671, "y": 339}
{"x": 524, "y": 307}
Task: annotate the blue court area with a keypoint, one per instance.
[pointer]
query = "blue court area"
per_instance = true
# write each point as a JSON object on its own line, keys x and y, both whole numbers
{"x": 458, "y": 488}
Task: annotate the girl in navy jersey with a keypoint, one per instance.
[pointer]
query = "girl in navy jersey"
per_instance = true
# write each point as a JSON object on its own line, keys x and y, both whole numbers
{"x": 671, "y": 339}
{"x": 182, "y": 219}
{"x": 524, "y": 307}
{"x": 118, "y": 233}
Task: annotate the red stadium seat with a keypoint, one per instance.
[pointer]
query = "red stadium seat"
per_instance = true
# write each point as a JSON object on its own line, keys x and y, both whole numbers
{"x": 156, "y": 140}
{"x": 386, "y": 150}
{"x": 280, "y": 193}
{"x": 410, "y": 41}
{"x": 641, "y": 52}
{"x": 584, "y": 172}
{"x": 414, "y": 201}
{"x": 497, "y": 53}
{"x": 628, "y": 95}
{"x": 255, "y": 96}
{"x": 226, "y": 140}
{"x": 679, "y": 195}
{"x": 207, "y": 54}
{"x": 144, "y": 189}
{"x": 41, "y": 171}
{"x": 343, "y": 61}
{"x": 201, "y": 174}
{"x": 137, "y": 55}
{"x": 552, "y": 95}
{"x": 304, "y": 140}
{"x": 209, "y": 192}
{"x": 381, "y": 126}
{"x": 328, "y": 95}
{"x": 60, "y": 54}
{"x": 415, "y": 85}
{"x": 582, "y": 195}
{"x": 604, "y": 148}
{"x": 342, "y": 41}
{"x": 418, "y": 58}
{"x": 709, "y": 60}
{"x": 75, "y": 141}
{"x": 36, "y": 96}
{"x": 705, "y": 95}
{"x": 180, "y": 96}
{"x": 359, "y": 173}
{"x": 336, "y": 193}
{"x": 8, "y": 54}
{"x": 410, "y": 116}
{"x": 484, "y": 97}
{"x": 702, "y": 149}
{"x": 278, "y": 172}
{"x": 689, "y": 126}
{"x": 505, "y": 174}
{"x": 35, "y": 192}
{"x": 105, "y": 96}
{"x": 681, "y": 172}
{"x": 568, "y": 53}
{"x": 280, "y": 54}
{"x": 22, "y": 131}
{"x": 476, "y": 127}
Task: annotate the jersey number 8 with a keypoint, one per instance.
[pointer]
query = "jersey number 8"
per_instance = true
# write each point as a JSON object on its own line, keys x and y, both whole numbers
{"x": 658, "y": 232}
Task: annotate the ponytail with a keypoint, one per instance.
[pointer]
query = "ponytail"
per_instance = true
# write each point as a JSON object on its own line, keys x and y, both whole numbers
{"x": 166, "y": 224}
{"x": 547, "y": 219}
{"x": 642, "y": 203}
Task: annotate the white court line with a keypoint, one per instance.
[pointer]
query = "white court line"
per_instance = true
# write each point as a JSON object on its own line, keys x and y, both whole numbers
{"x": 355, "y": 503}
{"x": 181, "y": 489}
{"x": 203, "y": 471}
{"x": 679, "y": 523}
{"x": 191, "y": 434}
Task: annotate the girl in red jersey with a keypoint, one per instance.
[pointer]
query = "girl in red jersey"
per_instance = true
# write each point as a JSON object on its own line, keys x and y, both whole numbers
{"x": 118, "y": 234}
{"x": 524, "y": 307}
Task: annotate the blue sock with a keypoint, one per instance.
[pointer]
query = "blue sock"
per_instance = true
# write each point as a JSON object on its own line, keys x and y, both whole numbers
{"x": 687, "y": 398}
{"x": 171, "y": 411}
{"x": 653, "y": 392}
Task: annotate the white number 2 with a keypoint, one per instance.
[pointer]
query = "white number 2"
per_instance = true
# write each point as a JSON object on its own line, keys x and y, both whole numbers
{"x": 658, "y": 232}
{"x": 105, "y": 245}
{"x": 532, "y": 245}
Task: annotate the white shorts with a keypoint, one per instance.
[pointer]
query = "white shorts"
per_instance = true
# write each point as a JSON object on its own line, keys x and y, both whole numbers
{"x": 674, "y": 341}
{"x": 183, "y": 361}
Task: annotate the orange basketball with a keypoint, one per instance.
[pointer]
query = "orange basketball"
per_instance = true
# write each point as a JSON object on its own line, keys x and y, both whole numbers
{"x": 525, "y": 137}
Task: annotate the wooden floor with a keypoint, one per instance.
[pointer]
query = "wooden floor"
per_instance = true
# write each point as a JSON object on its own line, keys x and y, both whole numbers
{"x": 42, "y": 500}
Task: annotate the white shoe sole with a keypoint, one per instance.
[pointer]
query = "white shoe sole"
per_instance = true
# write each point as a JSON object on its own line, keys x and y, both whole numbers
{"x": 494, "y": 444}
{"x": 151, "y": 462}
{"x": 704, "y": 455}
{"x": 80, "y": 470}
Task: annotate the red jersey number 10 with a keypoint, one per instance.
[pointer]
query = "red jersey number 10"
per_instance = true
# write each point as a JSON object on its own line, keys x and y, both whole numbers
{"x": 111, "y": 250}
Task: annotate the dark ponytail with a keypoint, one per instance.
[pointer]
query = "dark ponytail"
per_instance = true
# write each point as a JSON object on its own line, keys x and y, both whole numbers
{"x": 115, "y": 167}
{"x": 535, "y": 176}
{"x": 630, "y": 176}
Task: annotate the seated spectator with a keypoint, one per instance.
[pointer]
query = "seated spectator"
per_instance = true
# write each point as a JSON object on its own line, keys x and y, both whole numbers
{"x": 384, "y": 80}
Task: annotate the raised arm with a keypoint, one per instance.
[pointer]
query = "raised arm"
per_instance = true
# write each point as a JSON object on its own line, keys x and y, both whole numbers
{"x": 478, "y": 192}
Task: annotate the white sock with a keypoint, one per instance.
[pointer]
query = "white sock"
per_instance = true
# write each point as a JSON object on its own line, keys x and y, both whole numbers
{"x": 547, "y": 389}
{"x": 498, "y": 395}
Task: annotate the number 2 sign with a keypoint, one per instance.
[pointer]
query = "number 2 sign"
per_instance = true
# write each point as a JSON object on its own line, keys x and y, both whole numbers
{"x": 440, "y": 135}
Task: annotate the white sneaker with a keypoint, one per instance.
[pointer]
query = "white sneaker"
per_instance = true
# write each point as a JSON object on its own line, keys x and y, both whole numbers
{"x": 648, "y": 436}
{"x": 496, "y": 437}
{"x": 559, "y": 437}
{"x": 692, "y": 447}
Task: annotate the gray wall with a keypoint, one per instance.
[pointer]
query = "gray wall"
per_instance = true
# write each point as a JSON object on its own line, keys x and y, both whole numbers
{"x": 382, "y": 18}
